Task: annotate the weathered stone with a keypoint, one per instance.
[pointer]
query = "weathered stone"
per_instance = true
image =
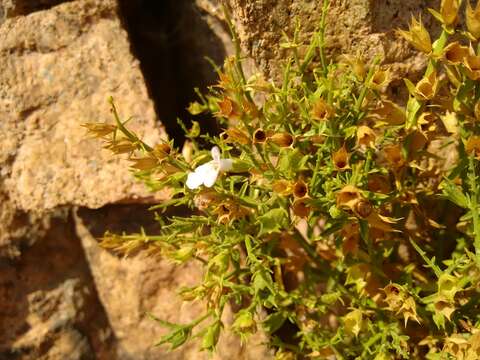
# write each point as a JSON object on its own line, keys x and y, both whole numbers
{"x": 49, "y": 307}
{"x": 355, "y": 25}
{"x": 11, "y": 8}
{"x": 47, "y": 160}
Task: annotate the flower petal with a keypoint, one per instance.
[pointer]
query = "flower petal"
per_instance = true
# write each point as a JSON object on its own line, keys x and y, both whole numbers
{"x": 225, "y": 164}
{"x": 215, "y": 153}
{"x": 210, "y": 177}
{"x": 194, "y": 180}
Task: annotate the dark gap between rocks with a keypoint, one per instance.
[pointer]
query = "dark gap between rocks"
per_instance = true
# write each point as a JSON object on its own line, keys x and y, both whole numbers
{"x": 50, "y": 290}
{"x": 25, "y": 7}
{"x": 171, "y": 39}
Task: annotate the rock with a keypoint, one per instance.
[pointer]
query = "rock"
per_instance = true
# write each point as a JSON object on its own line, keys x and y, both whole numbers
{"x": 11, "y": 8}
{"x": 48, "y": 161}
{"x": 49, "y": 306}
{"x": 356, "y": 25}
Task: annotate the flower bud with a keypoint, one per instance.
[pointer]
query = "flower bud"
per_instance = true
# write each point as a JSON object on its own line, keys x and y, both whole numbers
{"x": 472, "y": 66}
{"x": 282, "y": 187}
{"x": 187, "y": 151}
{"x": 282, "y": 139}
{"x": 340, "y": 159}
{"x": 300, "y": 189}
{"x": 244, "y": 323}
{"x": 418, "y": 36}
{"x": 322, "y": 111}
{"x": 234, "y": 135}
{"x": 184, "y": 253}
{"x": 472, "y": 18}
{"x": 162, "y": 150}
{"x": 219, "y": 263}
{"x": 449, "y": 11}
{"x": 210, "y": 339}
{"x": 426, "y": 88}
{"x": 454, "y": 53}
{"x": 380, "y": 80}
{"x": 354, "y": 322}
{"x": 365, "y": 136}
{"x": 146, "y": 163}
{"x": 259, "y": 136}
{"x": 390, "y": 113}
{"x": 300, "y": 208}
{"x": 357, "y": 65}
{"x": 448, "y": 287}
{"x": 99, "y": 130}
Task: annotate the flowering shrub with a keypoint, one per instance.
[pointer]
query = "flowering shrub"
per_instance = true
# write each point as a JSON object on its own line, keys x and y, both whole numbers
{"x": 339, "y": 222}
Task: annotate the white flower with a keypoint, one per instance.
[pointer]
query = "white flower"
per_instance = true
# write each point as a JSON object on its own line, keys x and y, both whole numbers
{"x": 207, "y": 174}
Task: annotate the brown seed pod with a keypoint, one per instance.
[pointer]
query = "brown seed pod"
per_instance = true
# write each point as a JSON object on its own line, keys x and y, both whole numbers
{"x": 162, "y": 150}
{"x": 145, "y": 163}
{"x": 393, "y": 155}
{"x": 473, "y": 146}
{"x": 472, "y": 18}
{"x": 322, "y": 111}
{"x": 301, "y": 208}
{"x": 363, "y": 208}
{"x": 380, "y": 80}
{"x": 348, "y": 196}
{"x": 225, "y": 108}
{"x": 259, "y": 136}
{"x": 365, "y": 136}
{"x": 340, "y": 159}
{"x": 390, "y": 113}
{"x": 282, "y": 187}
{"x": 300, "y": 189}
{"x": 282, "y": 139}
{"x": 472, "y": 67}
{"x": 234, "y": 135}
{"x": 379, "y": 184}
{"x": 454, "y": 53}
{"x": 427, "y": 88}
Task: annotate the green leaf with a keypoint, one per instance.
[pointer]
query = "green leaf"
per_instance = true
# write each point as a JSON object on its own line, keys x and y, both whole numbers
{"x": 413, "y": 106}
{"x": 196, "y": 108}
{"x": 273, "y": 322}
{"x": 272, "y": 221}
{"x": 453, "y": 193}
{"x": 262, "y": 280}
{"x": 210, "y": 339}
{"x": 291, "y": 161}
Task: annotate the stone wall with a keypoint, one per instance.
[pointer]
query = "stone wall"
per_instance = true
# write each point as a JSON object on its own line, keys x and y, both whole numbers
{"x": 61, "y": 296}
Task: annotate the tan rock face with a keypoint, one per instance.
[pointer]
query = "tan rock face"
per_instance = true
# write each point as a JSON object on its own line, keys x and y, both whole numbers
{"x": 50, "y": 309}
{"x": 355, "y": 25}
{"x": 59, "y": 68}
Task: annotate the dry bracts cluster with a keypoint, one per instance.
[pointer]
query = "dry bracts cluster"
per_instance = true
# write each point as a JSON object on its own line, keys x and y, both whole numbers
{"x": 341, "y": 222}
